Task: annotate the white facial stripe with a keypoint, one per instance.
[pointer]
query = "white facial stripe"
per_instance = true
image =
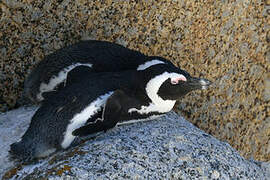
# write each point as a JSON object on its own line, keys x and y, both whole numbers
{"x": 56, "y": 80}
{"x": 81, "y": 118}
{"x": 149, "y": 64}
{"x": 157, "y": 104}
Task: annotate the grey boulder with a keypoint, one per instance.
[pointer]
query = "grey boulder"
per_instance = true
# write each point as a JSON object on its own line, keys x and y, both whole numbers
{"x": 165, "y": 148}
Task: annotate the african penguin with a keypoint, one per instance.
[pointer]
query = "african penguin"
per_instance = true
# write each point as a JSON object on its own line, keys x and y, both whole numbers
{"x": 98, "y": 101}
{"x": 99, "y": 56}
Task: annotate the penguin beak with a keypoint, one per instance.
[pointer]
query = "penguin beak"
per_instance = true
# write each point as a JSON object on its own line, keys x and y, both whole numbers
{"x": 198, "y": 83}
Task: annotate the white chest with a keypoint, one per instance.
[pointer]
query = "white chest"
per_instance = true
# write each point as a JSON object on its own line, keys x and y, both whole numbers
{"x": 162, "y": 107}
{"x": 81, "y": 118}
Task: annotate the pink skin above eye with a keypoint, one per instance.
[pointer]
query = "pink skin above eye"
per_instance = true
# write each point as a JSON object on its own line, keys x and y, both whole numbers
{"x": 176, "y": 80}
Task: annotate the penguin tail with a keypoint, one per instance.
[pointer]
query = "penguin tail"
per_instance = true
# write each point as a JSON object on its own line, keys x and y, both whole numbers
{"x": 28, "y": 151}
{"x": 21, "y": 152}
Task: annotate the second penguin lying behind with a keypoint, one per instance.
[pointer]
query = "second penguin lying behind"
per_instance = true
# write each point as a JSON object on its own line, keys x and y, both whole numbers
{"x": 97, "y": 102}
{"x": 99, "y": 56}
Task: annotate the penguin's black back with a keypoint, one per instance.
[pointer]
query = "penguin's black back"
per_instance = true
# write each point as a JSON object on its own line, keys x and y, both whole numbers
{"x": 103, "y": 56}
{"x": 93, "y": 85}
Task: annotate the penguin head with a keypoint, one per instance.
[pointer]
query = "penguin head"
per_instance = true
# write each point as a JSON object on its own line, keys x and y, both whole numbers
{"x": 167, "y": 82}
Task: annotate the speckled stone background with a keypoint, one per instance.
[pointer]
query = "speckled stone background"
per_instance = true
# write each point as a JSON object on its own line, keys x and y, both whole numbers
{"x": 225, "y": 41}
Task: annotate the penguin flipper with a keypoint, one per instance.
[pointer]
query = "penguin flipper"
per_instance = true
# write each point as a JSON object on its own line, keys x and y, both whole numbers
{"x": 76, "y": 74}
{"x": 110, "y": 116}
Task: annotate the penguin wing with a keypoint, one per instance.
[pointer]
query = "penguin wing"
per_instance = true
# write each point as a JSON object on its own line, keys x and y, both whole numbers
{"x": 110, "y": 116}
{"x": 76, "y": 74}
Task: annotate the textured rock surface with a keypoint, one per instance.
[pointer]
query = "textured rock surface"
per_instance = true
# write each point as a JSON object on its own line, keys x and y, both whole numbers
{"x": 165, "y": 148}
{"x": 225, "y": 41}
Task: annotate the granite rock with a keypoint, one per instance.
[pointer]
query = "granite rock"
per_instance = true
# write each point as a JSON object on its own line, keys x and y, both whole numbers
{"x": 166, "y": 148}
{"x": 224, "y": 41}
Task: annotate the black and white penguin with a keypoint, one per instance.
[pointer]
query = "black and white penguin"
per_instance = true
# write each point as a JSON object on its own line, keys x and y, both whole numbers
{"x": 99, "y": 56}
{"x": 96, "y": 102}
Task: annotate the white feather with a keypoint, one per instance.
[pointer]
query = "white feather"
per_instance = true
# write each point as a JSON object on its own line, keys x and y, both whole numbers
{"x": 56, "y": 80}
{"x": 149, "y": 64}
{"x": 81, "y": 118}
{"x": 158, "y": 104}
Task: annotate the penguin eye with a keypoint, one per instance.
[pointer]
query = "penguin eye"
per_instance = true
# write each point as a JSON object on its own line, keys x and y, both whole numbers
{"x": 178, "y": 79}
